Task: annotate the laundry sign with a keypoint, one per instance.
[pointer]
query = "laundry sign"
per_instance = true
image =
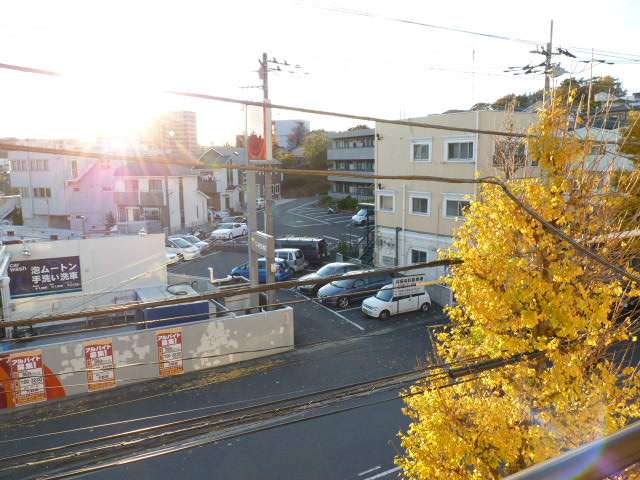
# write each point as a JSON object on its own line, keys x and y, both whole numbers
{"x": 45, "y": 276}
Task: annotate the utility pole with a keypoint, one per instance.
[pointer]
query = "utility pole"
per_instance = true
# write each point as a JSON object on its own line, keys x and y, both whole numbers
{"x": 547, "y": 66}
{"x": 268, "y": 193}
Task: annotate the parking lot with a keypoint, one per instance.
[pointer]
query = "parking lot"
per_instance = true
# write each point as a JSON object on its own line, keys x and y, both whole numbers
{"x": 314, "y": 321}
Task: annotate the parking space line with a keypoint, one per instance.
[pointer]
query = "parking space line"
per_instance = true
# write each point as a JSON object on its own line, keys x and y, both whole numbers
{"x": 332, "y": 311}
{"x": 348, "y": 309}
{"x": 383, "y": 474}
{"x": 308, "y": 217}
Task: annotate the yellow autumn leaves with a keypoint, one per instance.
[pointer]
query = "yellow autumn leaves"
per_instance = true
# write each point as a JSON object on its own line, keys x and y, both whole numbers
{"x": 522, "y": 289}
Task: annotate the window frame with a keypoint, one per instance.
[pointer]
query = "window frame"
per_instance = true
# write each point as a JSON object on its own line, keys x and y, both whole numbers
{"x": 421, "y": 141}
{"x": 451, "y": 139}
{"x": 154, "y": 180}
{"x": 454, "y": 197}
{"x": 423, "y": 195}
{"x": 386, "y": 193}
{"x": 419, "y": 251}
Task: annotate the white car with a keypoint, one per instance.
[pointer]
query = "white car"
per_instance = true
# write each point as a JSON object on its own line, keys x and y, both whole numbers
{"x": 259, "y": 203}
{"x": 228, "y": 231}
{"x": 384, "y": 303}
{"x": 193, "y": 240}
{"x": 181, "y": 246}
{"x": 294, "y": 257}
{"x": 171, "y": 258}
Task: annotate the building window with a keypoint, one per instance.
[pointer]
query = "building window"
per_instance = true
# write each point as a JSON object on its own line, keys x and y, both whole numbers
{"x": 131, "y": 185}
{"x": 455, "y": 206}
{"x": 510, "y": 152}
{"x": 40, "y": 165}
{"x": 74, "y": 169}
{"x": 275, "y": 189}
{"x": 386, "y": 202}
{"x": 152, "y": 214}
{"x": 18, "y": 165}
{"x": 155, "y": 185}
{"x": 42, "y": 193}
{"x": 421, "y": 149}
{"x": 418, "y": 256}
{"x": 459, "y": 148}
{"x": 107, "y": 189}
{"x": 420, "y": 203}
{"x": 132, "y": 214}
{"x": 24, "y": 192}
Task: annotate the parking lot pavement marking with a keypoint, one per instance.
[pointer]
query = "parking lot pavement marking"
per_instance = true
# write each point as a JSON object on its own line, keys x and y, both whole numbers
{"x": 332, "y": 238}
{"x": 348, "y": 309}
{"x": 383, "y": 474}
{"x": 332, "y": 311}
{"x": 308, "y": 217}
{"x": 343, "y": 221}
{"x": 370, "y": 470}
{"x": 209, "y": 254}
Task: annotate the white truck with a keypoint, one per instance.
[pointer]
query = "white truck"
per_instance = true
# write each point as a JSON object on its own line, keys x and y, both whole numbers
{"x": 405, "y": 294}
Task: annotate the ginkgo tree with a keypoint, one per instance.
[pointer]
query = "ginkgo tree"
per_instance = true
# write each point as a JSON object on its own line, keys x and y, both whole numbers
{"x": 521, "y": 289}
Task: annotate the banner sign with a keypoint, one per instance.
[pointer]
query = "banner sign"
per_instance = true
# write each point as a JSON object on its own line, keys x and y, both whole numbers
{"x": 255, "y": 132}
{"x": 27, "y": 373}
{"x": 408, "y": 285}
{"x": 170, "y": 351}
{"x": 261, "y": 243}
{"x": 98, "y": 357}
{"x": 44, "y": 277}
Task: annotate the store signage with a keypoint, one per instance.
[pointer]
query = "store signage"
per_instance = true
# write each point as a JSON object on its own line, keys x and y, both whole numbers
{"x": 44, "y": 277}
{"x": 261, "y": 243}
{"x": 27, "y": 374}
{"x": 409, "y": 285}
{"x": 99, "y": 363}
{"x": 170, "y": 352}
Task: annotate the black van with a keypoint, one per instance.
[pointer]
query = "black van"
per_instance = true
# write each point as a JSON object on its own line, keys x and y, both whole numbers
{"x": 313, "y": 248}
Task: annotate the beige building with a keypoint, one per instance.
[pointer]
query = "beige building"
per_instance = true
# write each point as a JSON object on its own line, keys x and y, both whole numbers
{"x": 415, "y": 219}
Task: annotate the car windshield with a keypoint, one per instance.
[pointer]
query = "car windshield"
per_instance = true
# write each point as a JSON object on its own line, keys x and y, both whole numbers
{"x": 191, "y": 238}
{"x": 343, "y": 283}
{"x": 362, "y": 212}
{"x": 181, "y": 242}
{"x": 385, "y": 294}
{"x": 327, "y": 270}
{"x": 223, "y": 226}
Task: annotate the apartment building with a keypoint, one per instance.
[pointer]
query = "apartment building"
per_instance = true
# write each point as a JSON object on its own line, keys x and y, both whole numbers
{"x": 60, "y": 191}
{"x": 158, "y": 197}
{"x": 173, "y": 133}
{"x": 352, "y": 151}
{"x": 415, "y": 219}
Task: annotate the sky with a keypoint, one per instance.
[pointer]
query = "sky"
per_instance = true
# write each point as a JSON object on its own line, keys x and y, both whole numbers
{"x": 374, "y": 58}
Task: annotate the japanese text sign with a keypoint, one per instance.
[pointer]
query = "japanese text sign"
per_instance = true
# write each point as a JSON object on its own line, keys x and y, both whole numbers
{"x": 170, "y": 351}
{"x": 27, "y": 373}
{"x": 98, "y": 358}
{"x": 44, "y": 277}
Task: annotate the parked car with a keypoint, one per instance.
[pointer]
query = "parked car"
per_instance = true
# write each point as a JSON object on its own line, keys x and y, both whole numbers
{"x": 234, "y": 219}
{"x": 294, "y": 257}
{"x": 346, "y": 290}
{"x": 386, "y": 303}
{"x": 172, "y": 258}
{"x": 363, "y": 217}
{"x": 193, "y": 240}
{"x": 329, "y": 270}
{"x": 181, "y": 246}
{"x": 285, "y": 272}
{"x": 260, "y": 203}
{"x": 227, "y": 231}
{"x": 313, "y": 248}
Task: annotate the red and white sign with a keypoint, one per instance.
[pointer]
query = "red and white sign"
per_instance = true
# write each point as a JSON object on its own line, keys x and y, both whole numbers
{"x": 98, "y": 358}
{"x": 170, "y": 352}
{"x": 27, "y": 373}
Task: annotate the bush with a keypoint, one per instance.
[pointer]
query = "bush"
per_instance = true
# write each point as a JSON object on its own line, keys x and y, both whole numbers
{"x": 348, "y": 203}
{"x": 326, "y": 201}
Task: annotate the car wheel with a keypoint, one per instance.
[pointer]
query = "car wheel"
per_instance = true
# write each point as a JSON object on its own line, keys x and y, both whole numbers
{"x": 384, "y": 315}
{"x": 343, "y": 302}
{"x": 425, "y": 307}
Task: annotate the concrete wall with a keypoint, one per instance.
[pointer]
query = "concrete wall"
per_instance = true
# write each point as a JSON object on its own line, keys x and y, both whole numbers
{"x": 111, "y": 268}
{"x": 205, "y": 344}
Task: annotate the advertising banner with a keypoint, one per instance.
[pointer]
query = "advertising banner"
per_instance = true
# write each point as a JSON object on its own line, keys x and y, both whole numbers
{"x": 98, "y": 357}
{"x": 409, "y": 285}
{"x": 44, "y": 277}
{"x": 27, "y": 373}
{"x": 255, "y": 133}
{"x": 170, "y": 352}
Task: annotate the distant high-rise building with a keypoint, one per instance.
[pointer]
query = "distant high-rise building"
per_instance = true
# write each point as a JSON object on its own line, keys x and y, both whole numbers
{"x": 174, "y": 133}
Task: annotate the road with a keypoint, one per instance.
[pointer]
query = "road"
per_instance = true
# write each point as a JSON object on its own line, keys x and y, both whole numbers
{"x": 333, "y": 348}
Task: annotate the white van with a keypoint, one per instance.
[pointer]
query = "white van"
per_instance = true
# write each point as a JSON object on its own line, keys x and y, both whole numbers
{"x": 294, "y": 257}
{"x": 385, "y": 303}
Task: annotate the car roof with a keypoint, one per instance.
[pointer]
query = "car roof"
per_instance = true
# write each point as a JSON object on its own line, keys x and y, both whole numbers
{"x": 287, "y": 249}
{"x": 360, "y": 272}
{"x": 334, "y": 264}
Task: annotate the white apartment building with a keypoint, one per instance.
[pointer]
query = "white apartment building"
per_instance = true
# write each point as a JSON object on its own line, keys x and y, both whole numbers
{"x": 415, "y": 219}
